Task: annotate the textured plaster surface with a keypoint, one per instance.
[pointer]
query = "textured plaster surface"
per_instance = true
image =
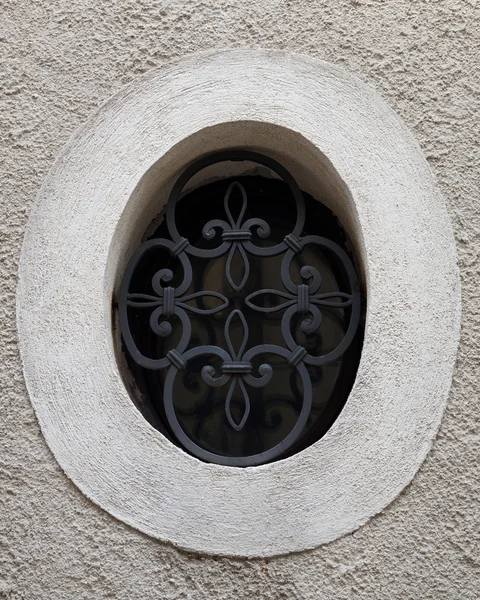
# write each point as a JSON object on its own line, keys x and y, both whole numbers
{"x": 97, "y": 201}
{"x": 60, "y": 61}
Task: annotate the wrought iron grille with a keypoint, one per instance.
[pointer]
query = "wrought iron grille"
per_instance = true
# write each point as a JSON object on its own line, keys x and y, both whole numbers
{"x": 197, "y": 344}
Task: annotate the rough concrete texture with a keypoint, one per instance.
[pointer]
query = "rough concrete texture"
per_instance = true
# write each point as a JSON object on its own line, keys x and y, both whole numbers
{"x": 60, "y": 61}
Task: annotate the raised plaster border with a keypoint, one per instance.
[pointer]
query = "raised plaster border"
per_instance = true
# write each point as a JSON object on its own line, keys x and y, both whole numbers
{"x": 80, "y": 233}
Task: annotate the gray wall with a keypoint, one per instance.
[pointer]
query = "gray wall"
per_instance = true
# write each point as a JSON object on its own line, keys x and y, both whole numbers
{"x": 63, "y": 59}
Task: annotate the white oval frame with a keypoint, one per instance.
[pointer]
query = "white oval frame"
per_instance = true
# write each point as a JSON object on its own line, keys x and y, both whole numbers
{"x": 97, "y": 201}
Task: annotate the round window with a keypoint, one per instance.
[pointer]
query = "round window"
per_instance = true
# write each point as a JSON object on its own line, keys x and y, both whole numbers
{"x": 240, "y": 315}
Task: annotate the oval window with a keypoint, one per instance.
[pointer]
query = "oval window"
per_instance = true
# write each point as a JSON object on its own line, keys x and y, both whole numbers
{"x": 240, "y": 316}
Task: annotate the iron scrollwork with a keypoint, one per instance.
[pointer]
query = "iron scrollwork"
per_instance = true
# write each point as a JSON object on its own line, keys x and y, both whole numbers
{"x": 237, "y": 371}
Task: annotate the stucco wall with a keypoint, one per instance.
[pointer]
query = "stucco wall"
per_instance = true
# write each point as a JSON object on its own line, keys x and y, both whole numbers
{"x": 63, "y": 59}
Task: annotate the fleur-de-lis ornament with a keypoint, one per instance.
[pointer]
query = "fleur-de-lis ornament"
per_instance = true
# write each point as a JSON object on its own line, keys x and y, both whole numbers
{"x": 236, "y": 233}
{"x": 236, "y": 370}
